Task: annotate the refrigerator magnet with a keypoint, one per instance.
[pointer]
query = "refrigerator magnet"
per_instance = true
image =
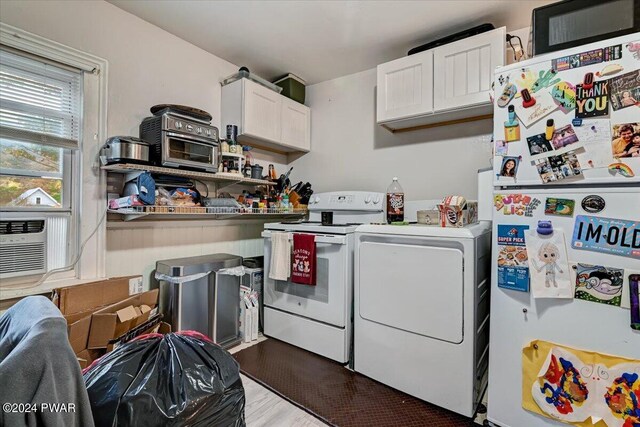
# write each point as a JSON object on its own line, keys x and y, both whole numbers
{"x": 507, "y": 95}
{"x": 592, "y": 99}
{"x": 549, "y": 271}
{"x": 560, "y": 207}
{"x": 607, "y": 235}
{"x": 511, "y": 126}
{"x": 597, "y": 283}
{"x": 515, "y": 204}
{"x": 593, "y": 204}
{"x": 625, "y": 140}
{"x": 513, "y": 266}
{"x": 621, "y": 168}
{"x": 535, "y": 83}
{"x": 509, "y": 166}
{"x": 501, "y": 148}
{"x": 634, "y": 298}
{"x": 625, "y": 90}
{"x": 558, "y": 168}
{"x": 544, "y": 228}
{"x": 564, "y": 95}
{"x": 565, "y": 139}
{"x": 530, "y": 114}
{"x": 609, "y": 70}
{"x": 527, "y": 99}
{"x": 539, "y": 146}
{"x": 634, "y": 48}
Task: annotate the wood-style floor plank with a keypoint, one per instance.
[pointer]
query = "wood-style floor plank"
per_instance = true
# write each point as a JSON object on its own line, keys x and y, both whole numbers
{"x": 264, "y": 408}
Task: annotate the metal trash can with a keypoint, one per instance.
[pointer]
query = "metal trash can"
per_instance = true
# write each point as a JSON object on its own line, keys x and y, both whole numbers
{"x": 202, "y": 293}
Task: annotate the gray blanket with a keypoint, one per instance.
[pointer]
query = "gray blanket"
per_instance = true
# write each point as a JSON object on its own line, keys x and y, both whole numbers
{"x": 38, "y": 369}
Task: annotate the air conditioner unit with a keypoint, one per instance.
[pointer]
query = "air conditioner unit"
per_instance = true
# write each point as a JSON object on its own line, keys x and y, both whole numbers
{"x": 23, "y": 248}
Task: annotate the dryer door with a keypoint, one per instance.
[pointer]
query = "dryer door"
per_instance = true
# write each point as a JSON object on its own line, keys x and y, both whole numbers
{"x": 412, "y": 287}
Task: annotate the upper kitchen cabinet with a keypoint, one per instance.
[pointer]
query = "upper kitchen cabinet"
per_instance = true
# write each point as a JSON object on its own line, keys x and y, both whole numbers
{"x": 405, "y": 87}
{"x": 265, "y": 118}
{"x": 445, "y": 85}
{"x": 296, "y": 125}
{"x": 463, "y": 70}
{"x": 262, "y": 110}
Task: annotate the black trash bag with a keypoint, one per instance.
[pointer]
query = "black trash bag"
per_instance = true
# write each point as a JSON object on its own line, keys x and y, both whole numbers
{"x": 178, "y": 379}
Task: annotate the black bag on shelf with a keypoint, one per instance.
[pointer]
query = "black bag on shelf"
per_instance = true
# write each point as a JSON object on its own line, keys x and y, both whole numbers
{"x": 177, "y": 379}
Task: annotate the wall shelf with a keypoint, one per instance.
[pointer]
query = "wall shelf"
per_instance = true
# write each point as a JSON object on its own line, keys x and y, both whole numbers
{"x": 229, "y": 178}
{"x": 198, "y": 212}
{"x": 235, "y": 155}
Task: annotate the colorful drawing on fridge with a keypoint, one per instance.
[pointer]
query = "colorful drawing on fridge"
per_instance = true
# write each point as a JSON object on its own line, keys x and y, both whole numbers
{"x": 580, "y": 387}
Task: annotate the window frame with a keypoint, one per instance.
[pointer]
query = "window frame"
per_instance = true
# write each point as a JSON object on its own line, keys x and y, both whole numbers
{"x": 87, "y": 192}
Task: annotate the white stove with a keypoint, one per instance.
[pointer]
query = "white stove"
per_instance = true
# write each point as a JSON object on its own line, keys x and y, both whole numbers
{"x": 319, "y": 318}
{"x": 313, "y": 227}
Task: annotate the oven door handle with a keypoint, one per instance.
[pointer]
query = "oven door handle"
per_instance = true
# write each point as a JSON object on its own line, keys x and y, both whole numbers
{"x": 191, "y": 138}
{"x": 320, "y": 238}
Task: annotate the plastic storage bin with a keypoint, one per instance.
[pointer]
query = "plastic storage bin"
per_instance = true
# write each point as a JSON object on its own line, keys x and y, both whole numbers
{"x": 293, "y": 87}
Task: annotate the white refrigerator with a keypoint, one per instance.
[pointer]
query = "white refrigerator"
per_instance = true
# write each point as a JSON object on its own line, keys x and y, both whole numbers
{"x": 566, "y": 173}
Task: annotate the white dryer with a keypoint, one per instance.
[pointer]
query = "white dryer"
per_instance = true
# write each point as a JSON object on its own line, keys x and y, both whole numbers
{"x": 421, "y": 310}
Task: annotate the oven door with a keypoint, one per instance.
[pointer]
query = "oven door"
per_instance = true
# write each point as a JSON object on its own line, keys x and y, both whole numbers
{"x": 329, "y": 299}
{"x": 185, "y": 150}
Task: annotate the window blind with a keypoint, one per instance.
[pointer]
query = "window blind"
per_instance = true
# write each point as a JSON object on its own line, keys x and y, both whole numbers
{"x": 39, "y": 102}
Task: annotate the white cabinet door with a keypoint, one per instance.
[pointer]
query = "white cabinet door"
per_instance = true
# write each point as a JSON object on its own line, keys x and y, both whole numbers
{"x": 405, "y": 87}
{"x": 296, "y": 125}
{"x": 463, "y": 70}
{"x": 262, "y": 112}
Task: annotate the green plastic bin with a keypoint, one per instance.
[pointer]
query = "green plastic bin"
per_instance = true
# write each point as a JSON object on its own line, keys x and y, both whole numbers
{"x": 293, "y": 87}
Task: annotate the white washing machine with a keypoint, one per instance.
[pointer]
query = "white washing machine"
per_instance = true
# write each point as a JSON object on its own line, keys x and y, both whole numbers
{"x": 421, "y": 310}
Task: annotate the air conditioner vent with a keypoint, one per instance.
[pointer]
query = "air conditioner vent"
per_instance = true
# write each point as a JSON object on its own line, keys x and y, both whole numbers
{"x": 22, "y": 258}
{"x": 23, "y": 248}
{"x": 21, "y": 227}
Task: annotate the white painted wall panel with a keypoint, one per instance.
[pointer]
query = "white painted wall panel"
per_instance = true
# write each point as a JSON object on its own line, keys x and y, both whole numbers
{"x": 351, "y": 152}
{"x": 135, "y": 251}
{"x": 147, "y": 66}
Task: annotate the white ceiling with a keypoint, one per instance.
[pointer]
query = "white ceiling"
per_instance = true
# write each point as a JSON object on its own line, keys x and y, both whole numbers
{"x": 320, "y": 40}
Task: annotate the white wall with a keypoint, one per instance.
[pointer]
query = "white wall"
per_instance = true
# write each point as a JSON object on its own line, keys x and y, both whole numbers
{"x": 350, "y": 152}
{"x": 147, "y": 66}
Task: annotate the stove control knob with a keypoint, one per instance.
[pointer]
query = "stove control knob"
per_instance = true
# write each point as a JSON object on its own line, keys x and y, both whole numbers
{"x": 178, "y": 125}
{"x": 316, "y": 200}
{"x": 199, "y": 130}
{"x": 376, "y": 200}
{"x": 367, "y": 199}
{"x": 189, "y": 127}
{"x": 207, "y": 132}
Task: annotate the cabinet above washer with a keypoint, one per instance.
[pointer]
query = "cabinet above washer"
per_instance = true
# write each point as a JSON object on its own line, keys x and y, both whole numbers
{"x": 447, "y": 84}
{"x": 265, "y": 118}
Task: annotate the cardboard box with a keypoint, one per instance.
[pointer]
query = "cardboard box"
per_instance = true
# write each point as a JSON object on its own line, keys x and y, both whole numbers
{"x": 428, "y": 217}
{"x": 114, "y": 320}
{"x": 86, "y": 357}
{"x": 79, "y": 298}
{"x": 78, "y": 330}
{"x": 456, "y": 211}
{"x": 78, "y": 303}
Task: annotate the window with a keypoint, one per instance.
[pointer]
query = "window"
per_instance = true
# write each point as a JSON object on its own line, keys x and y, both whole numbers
{"x": 40, "y": 122}
{"x": 40, "y": 105}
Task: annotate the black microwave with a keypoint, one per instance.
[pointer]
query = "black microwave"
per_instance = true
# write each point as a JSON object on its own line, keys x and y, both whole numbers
{"x": 572, "y": 23}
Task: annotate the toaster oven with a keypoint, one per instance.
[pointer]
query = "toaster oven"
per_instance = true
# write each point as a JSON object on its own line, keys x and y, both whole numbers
{"x": 180, "y": 141}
